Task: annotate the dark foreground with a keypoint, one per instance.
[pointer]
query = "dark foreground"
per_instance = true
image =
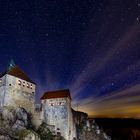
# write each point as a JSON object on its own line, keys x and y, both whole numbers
{"x": 120, "y": 129}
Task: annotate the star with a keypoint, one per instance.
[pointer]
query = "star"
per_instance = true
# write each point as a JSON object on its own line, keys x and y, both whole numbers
{"x": 47, "y": 34}
{"x": 112, "y": 84}
{"x": 137, "y": 18}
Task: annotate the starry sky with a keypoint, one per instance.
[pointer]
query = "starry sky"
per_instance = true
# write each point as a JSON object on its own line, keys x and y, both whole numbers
{"x": 91, "y": 47}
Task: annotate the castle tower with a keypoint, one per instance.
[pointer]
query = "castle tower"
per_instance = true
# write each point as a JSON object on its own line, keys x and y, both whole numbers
{"x": 56, "y": 109}
{"x": 16, "y": 89}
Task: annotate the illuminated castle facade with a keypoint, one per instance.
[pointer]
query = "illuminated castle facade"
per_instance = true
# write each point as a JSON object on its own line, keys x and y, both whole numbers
{"x": 57, "y": 111}
{"x": 18, "y": 90}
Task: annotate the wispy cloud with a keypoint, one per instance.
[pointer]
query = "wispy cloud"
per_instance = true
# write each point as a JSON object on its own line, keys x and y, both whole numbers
{"x": 95, "y": 65}
{"x": 125, "y": 103}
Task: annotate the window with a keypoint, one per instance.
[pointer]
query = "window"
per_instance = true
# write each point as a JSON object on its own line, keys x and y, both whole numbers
{"x": 52, "y": 104}
{"x": 23, "y": 84}
{"x": 19, "y": 82}
{"x": 28, "y": 85}
{"x": 58, "y": 131}
{"x": 0, "y": 80}
{"x": 61, "y": 103}
{"x": 31, "y": 86}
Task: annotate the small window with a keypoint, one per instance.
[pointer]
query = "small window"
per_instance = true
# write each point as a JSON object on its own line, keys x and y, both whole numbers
{"x": 9, "y": 84}
{"x": 0, "y": 80}
{"x": 23, "y": 84}
{"x": 52, "y": 104}
{"x": 58, "y": 131}
{"x": 28, "y": 85}
{"x": 19, "y": 82}
{"x": 31, "y": 86}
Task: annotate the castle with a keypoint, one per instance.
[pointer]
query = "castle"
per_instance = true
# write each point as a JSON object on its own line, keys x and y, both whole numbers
{"x": 18, "y": 90}
{"x": 56, "y": 109}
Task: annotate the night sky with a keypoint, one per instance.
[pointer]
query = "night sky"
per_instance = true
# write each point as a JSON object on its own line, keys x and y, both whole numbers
{"x": 91, "y": 47}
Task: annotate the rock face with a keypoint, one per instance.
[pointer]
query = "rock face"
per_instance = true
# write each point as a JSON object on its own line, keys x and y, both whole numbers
{"x": 90, "y": 131}
{"x": 87, "y": 130}
{"x": 16, "y": 124}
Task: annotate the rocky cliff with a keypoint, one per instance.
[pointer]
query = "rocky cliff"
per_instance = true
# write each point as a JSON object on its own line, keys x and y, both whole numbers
{"x": 86, "y": 129}
{"x": 17, "y": 124}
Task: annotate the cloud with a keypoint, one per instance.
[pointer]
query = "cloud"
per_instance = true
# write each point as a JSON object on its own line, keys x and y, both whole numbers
{"x": 124, "y": 103}
{"x": 95, "y": 65}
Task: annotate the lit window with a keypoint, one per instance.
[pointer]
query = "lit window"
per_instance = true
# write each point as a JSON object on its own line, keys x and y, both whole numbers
{"x": 19, "y": 82}
{"x": 0, "y": 80}
{"x": 27, "y": 85}
{"x": 51, "y": 103}
{"x": 57, "y": 103}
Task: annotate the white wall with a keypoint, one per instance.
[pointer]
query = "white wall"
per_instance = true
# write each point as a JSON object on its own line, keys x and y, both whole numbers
{"x": 2, "y": 90}
{"x": 18, "y": 92}
{"x": 58, "y": 114}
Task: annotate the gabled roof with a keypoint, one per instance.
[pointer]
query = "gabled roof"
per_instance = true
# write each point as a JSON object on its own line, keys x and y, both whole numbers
{"x": 56, "y": 94}
{"x": 17, "y": 72}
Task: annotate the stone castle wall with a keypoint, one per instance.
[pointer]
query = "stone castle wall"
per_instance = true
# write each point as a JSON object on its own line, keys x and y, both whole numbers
{"x": 57, "y": 112}
{"x": 2, "y": 90}
{"x": 17, "y": 92}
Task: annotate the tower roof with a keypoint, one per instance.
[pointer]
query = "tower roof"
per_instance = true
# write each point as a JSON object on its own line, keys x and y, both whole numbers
{"x": 16, "y": 71}
{"x": 56, "y": 94}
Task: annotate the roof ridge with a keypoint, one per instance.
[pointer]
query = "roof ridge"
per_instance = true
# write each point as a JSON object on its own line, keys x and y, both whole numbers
{"x": 58, "y": 90}
{"x": 16, "y": 71}
{"x": 56, "y": 94}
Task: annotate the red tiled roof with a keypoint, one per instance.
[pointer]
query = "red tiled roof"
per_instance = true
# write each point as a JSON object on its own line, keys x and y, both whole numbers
{"x": 17, "y": 72}
{"x": 56, "y": 94}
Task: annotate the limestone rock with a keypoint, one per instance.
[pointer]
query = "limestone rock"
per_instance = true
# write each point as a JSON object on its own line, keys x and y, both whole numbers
{"x": 90, "y": 131}
{"x": 16, "y": 124}
{"x": 28, "y": 135}
{"x": 19, "y": 125}
{"x": 2, "y": 137}
{"x": 45, "y": 132}
{"x": 21, "y": 114}
{"x": 8, "y": 114}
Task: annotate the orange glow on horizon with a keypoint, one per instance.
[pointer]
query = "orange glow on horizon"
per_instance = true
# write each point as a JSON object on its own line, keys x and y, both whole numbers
{"x": 122, "y": 104}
